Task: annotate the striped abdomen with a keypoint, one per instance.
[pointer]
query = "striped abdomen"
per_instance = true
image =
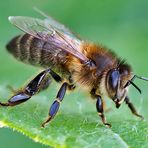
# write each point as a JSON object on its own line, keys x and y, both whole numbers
{"x": 29, "y": 49}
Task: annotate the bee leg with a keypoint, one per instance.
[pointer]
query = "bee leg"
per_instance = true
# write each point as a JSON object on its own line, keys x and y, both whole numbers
{"x": 27, "y": 92}
{"x": 132, "y": 108}
{"x": 33, "y": 87}
{"x": 56, "y": 104}
{"x": 46, "y": 82}
{"x": 71, "y": 85}
{"x": 100, "y": 110}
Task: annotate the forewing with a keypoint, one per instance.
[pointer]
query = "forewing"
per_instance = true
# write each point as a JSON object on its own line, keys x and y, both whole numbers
{"x": 57, "y": 25}
{"x": 43, "y": 30}
{"x": 32, "y": 26}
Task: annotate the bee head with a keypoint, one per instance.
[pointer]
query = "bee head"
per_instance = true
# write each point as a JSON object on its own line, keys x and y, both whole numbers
{"x": 116, "y": 80}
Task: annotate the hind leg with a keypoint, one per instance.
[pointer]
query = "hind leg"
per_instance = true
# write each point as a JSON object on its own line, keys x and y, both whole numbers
{"x": 46, "y": 83}
{"x": 39, "y": 83}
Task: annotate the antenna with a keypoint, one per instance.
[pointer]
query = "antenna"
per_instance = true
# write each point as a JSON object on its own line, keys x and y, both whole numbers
{"x": 131, "y": 82}
{"x": 135, "y": 86}
{"x": 142, "y": 78}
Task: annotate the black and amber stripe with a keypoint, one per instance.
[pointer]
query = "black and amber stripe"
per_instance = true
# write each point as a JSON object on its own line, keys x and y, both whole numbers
{"x": 28, "y": 49}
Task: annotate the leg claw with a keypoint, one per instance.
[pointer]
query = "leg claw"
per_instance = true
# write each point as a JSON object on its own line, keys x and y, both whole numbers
{"x": 140, "y": 116}
{"x": 47, "y": 120}
{"x": 108, "y": 125}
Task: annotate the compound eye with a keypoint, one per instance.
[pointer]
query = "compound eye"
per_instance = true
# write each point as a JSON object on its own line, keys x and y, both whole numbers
{"x": 113, "y": 79}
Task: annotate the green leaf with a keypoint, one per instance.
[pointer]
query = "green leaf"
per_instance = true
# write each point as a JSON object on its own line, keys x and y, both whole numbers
{"x": 76, "y": 125}
{"x": 120, "y": 25}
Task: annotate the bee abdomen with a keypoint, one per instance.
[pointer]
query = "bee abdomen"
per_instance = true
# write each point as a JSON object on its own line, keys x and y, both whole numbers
{"x": 12, "y": 46}
{"x": 26, "y": 48}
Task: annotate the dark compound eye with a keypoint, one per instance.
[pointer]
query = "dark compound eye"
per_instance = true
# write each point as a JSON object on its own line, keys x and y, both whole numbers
{"x": 113, "y": 79}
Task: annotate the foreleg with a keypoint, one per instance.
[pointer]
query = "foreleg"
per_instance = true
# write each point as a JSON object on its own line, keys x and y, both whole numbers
{"x": 132, "y": 108}
{"x": 100, "y": 107}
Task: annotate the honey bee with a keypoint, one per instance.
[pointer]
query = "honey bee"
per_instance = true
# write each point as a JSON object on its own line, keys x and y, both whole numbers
{"x": 70, "y": 61}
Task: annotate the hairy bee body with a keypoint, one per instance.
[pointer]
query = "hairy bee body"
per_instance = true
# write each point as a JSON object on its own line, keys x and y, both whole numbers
{"x": 103, "y": 59}
{"x": 71, "y": 61}
{"x": 34, "y": 51}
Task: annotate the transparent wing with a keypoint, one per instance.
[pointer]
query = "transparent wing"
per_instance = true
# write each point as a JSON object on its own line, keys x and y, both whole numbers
{"x": 57, "y": 24}
{"x": 32, "y": 26}
{"x": 43, "y": 30}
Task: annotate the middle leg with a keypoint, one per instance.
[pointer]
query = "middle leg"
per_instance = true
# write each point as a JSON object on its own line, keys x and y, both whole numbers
{"x": 56, "y": 104}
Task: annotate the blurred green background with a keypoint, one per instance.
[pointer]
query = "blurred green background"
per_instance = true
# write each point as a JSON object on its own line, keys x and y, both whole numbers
{"x": 120, "y": 25}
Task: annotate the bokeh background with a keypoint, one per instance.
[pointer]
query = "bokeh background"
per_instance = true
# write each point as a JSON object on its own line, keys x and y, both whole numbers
{"x": 120, "y": 25}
